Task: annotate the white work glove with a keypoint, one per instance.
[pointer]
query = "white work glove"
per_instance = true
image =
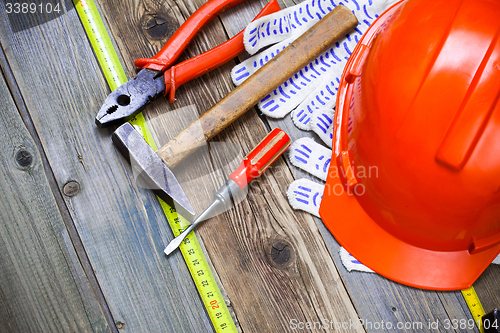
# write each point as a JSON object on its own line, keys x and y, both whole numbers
{"x": 310, "y": 93}
{"x": 315, "y": 86}
{"x": 306, "y": 195}
{"x": 314, "y": 158}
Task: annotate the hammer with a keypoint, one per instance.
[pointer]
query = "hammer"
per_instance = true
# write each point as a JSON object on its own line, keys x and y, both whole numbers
{"x": 293, "y": 58}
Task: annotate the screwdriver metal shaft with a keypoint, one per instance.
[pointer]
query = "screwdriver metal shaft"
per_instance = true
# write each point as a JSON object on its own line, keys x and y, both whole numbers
{"x": 177, "y": 240}
{"x": 252, "y": 166}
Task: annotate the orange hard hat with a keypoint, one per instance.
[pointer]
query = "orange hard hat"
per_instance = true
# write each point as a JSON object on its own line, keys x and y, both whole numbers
{"x": 415, "y": 190}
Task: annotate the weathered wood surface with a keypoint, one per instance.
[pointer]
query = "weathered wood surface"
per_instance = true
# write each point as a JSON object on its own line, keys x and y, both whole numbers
{"x": 272, "y": 263}
{"x": 276, "y": 265}
{"x": 488, "y": 288}
{"x": 43, "y": 287}
{"x": 122, "y": 227}
{"x": 378, "y": 299}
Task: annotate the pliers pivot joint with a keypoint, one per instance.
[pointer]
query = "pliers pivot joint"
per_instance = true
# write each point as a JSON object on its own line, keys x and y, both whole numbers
{"x": 159, "y": 75}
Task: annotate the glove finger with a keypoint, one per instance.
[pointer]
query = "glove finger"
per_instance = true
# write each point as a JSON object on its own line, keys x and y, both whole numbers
{"x": 323, "y": 98}
{"x": 306, "y": 195}
{"x": 243, "y": 70}
{"x": 317, "y": 80}
{"x": 292, "y": 21}
{"x": 322, "y": 125}
{"x": 319, "y": 120}
{"x": 310, "y": 156}
{"x": 351, "y": 263}
{"x": 327, "y": 67}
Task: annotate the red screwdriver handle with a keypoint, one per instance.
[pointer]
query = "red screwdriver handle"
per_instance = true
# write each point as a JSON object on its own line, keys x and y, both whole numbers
{"x": 261, "y": 157}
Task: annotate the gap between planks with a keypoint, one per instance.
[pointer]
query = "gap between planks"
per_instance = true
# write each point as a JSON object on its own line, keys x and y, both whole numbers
{"x": 61, "y": 205}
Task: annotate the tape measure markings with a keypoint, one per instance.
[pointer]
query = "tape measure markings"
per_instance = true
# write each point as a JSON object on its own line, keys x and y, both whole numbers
{"x": 202, "y": 274}
{"x": 101, "y": 43}
{"x": 191, "y": 250}
{"x": 475, "y": 307}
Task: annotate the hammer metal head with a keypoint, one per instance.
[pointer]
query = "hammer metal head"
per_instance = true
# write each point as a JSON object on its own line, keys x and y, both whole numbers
{"x": 151, "y": 172}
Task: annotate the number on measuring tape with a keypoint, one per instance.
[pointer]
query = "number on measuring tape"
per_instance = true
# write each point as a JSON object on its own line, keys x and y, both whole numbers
{"x": 190, "y": 248}
{"x": 475, "y": 307}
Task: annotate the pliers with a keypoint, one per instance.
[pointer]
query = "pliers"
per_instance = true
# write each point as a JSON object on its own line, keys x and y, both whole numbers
{"x": 158, "y": 75}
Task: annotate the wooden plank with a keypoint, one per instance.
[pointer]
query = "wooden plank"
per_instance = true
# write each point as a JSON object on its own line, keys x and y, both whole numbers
{"x": 488, "y": 288}
{"x": 122, "y": 227}
{"x": 272, "y": 262}
{"x": 452, "y": 304}
{"x": 376, "y": 299}
{"x": 42, "y": 285}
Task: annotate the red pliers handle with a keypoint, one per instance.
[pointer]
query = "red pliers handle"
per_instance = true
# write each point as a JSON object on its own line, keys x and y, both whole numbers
{"x": 190, "y": 69}
{"x": 158, "y": 75}
{"x": 171, "y": 51}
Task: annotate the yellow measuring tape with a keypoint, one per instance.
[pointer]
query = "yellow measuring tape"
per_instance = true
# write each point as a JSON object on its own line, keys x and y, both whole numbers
{"x": 191, "y": 250}
{"x": 190, "y": 247}
{"x": 475, "y": 307}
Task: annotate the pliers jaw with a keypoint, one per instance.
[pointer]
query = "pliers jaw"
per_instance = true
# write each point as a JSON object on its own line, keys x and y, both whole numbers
{"x": 159, "y": 75}
{"x": 129, "y": 99}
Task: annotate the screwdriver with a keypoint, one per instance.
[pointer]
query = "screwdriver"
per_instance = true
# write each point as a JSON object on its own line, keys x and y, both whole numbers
{"x": 252, "y": 166}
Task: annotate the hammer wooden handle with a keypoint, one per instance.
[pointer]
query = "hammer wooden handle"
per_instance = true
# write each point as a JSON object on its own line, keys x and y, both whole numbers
{"x": 293, "y": 58}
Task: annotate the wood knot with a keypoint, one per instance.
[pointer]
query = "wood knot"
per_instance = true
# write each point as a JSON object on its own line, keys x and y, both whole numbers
{"x": 159, "y": 26}
{"x": 24, "y": 158}
{"x": 280, "y": 252}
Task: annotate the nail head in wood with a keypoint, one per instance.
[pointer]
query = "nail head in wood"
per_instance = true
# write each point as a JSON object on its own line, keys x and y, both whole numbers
{"x": 71, "y": 188}
{"x": 119, "y": 325}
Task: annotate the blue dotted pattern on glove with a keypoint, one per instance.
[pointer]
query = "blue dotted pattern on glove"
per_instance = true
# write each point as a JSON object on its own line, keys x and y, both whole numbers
{"x": 242, "y": 73}
{"x": 307, "y": 196}
{"x": 339, "y": 53}
{"x": 300, "y": 81}
{"x": 324, "y": 122}
{"x": 302, "y": 154}
{"x": 313, "y": 11}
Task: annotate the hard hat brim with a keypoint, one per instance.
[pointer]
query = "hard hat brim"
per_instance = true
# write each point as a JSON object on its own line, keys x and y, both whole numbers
{"x": 366, "y": 240}
{"x": 389, "y": 256}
